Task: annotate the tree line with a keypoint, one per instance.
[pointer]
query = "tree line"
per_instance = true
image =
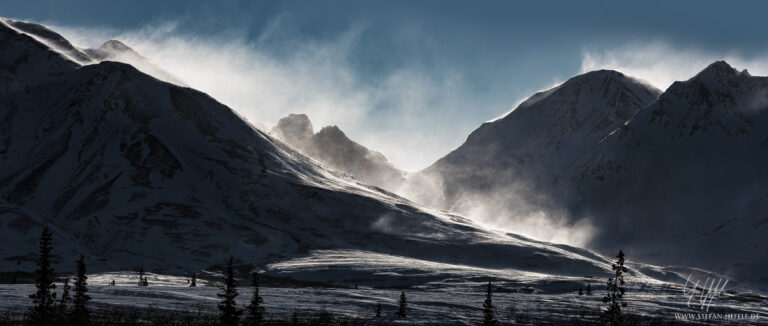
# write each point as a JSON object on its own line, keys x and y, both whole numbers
{"x": 74, "y": 309}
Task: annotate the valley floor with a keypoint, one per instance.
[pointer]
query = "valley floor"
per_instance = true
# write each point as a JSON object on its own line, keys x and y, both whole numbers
{"x": 551, "y": 300}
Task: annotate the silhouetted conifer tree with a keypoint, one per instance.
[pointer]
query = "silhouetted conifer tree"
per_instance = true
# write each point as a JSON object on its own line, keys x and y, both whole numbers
{"x": 581, "y": 292}
{"x": 615, "y": 296}
{"x": 589, "y": 289}
{"x": 229, "y": 315}
{"x": 43, "y": 311}
{"x": 142, "y": 279}
{"x": 80, "y": 314}
{"x": 194, "y": 280}
{"x": 489, "y": 315}
{"x": 378, "y": 310}
{"x": 403, "y": 305}
{"x": 255, "y": 310}
{"x": 64, "y": 302}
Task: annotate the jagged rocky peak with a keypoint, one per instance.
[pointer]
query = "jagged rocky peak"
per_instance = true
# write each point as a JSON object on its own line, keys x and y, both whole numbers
{"x": 334, "y": 149}
{"x": 295, "y": 129}
{"x": 332, "y": 132}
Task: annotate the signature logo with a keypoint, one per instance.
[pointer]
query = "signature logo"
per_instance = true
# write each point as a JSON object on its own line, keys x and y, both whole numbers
{"x": 707, "y": 292}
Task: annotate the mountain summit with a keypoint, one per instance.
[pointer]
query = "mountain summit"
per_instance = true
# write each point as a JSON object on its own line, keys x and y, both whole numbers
{"x": 543, "y": 134}
{"x": 333, "y": 148}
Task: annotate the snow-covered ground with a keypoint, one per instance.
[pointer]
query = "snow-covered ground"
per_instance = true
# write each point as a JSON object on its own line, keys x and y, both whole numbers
{"x": 437, "y": 293}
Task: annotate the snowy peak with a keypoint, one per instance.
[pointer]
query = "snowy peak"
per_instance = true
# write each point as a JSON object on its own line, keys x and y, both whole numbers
{"x": 46, "y": 40}
{"x": 333, "y": 148}
{"x": 49, "y": 38}
{"x": 578, "y": 113}
{"x": 115, "y": 45}
{"x": 718, "y": 70}
{"x": 114, "y": 50}
{"x": 719, "y": 98}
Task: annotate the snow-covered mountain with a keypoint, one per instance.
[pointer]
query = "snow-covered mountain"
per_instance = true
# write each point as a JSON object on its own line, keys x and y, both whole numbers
{"x": 334, "y": 149}
{"x": 686, "y": 179}
{"x": 503, "y": 162}
{"x": 111, "y": 50}
{"x": 128, "y": 170}
{"x": 679, "y": 177}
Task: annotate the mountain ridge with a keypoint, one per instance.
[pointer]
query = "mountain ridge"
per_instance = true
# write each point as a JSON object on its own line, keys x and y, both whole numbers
{"x": 130, "y": 170}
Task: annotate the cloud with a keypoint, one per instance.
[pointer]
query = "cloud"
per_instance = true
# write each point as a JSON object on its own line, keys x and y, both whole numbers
{"x": 661, "y": 63}
{"x": 413, "y": 115}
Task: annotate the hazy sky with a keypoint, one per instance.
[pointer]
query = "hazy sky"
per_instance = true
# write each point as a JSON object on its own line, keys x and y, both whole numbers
{"x": 411, "y": 79}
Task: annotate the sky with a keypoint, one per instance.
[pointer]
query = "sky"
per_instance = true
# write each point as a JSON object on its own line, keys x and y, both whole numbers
{"x": 410, "y": 79}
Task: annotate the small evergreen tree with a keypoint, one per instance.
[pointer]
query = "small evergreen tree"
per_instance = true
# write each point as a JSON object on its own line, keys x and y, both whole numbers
{"x": 142, "y": 279}
{"x": 43, "y": 311}
{"x": 229, "y": 315}
{"x": 581, "y": 292}
{"x": 255, "y": 310}
{"x": 489, "y": 316}
{"x": 378, "y": 310}
{"x": 64, "y": 301}
{"x": 80, "y": 314}
{"x": 403, "y": 305}
{"x": 589, "y": 289}
{"x": 194, "y": 280}
{"x": 615, "y": 296}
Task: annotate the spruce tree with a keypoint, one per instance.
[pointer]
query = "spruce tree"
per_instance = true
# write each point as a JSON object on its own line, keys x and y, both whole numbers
{"x": 80, "y": 314}
{"x": 489, "y": 316}
{"x": 194, "y": 280}
{"x": 403, "y": 305}
{"x": 255, "y": 310}
{"x": 581, "y": 292}
{"x": 229, "y": 315}
{"x": 378, "y": 310}
{"x": 615, "y": 297}
{"x": 43, "y": 311}
{"x": 64, "y": 301}
{"x": 589, "y": 289}
{"x": 142, "y": 279}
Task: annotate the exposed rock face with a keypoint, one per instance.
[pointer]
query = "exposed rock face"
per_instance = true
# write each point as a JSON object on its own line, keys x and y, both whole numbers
{"x": 296, "y": 130}
{"x": 333, "y": 148}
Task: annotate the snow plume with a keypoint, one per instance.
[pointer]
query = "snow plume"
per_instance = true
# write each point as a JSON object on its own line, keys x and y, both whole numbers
{"x": 278, "y": 73}
{"x": 661, "y": 63}
{"x": 517, "y": 208}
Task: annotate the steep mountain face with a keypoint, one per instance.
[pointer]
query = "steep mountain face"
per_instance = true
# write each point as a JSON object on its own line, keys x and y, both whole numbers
{"x": 333, "y": 148}
{"x": 677, "y": 178}
{"x": 530, "y": 146}
{"x": 686, "y": 179}
{"x": 129, "y": 170}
